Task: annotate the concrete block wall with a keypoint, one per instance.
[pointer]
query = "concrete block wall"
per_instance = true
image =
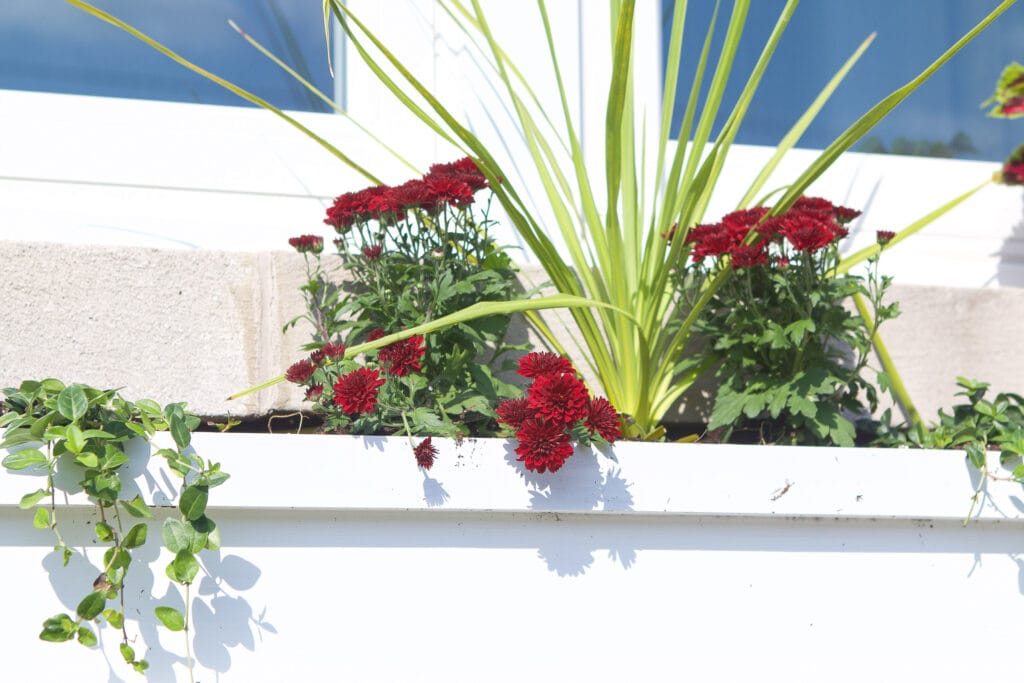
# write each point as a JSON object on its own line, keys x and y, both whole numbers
{"x": 198, "y": 326}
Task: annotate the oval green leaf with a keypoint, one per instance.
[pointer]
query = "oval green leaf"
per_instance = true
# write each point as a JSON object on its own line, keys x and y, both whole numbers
{"x": 171, "y": 618}
{"x": 72, "y": 403}
{"x": 86, "y": 636}
{"x": 92, "y": 605}
{"x": 193, "y": 501}
{"x": 136, "y": 507}
{"x": 176, "y": 535}
{"x": 114, "y": 618}
{"x": 183, "y": 568}
{"x": 75, "y": 440}
{"x": 41, "y": 520}
{"x": 179, "y": 431}
{"x": 104, "y": 532}
{"x": 58, "y": 629}
{"x": 30, "y": 499}
{"x": 23, "y": 459}
{"x": 127, "y": 652}
{"x": 136, "y": 536}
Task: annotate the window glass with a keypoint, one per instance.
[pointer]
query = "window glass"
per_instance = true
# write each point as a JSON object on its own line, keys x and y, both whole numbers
{"x": 51, "y": 46}
{"x": 942, "y": 119}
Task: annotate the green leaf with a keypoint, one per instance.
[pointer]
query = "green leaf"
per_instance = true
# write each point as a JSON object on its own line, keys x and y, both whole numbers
{"x": 136, "y": 507}
{"x": 114, "y": 618}
{"x": 75, "y": 440}
{"x": 23, "y": 459}
{"x": 58, "y": 629}
{"x": 193, "y": 501}
{"x": 183, "y": 568}
{"x": 176, "y": 535}
{"x": 127, "y": 652}
{"x": 212, "y": 538}
{"x": 179, "y": 431}
{"x": 140, "y": 666}
{"x": 136, "y": 536}
{"x": 171, "y": 618}
{"x": 976, "y": 454}
{"x": 92, "y": 604}
{"x": 215, "y": 478}
{"x": 104, "y": 532}
{"x": 30, "y": 499}
{"x": 41, "y": 520}
{"x": 72, "y": 402}
{"x": 86, "y": 636}
{"x": 88, "y": 460}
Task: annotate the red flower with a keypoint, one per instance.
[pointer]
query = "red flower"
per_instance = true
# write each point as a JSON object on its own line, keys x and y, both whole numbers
{"x": 1013, "y": 169}
{"x": 603, "y": 419}
{"x": 375, "y": 334}
{"x": 356, "y": 392}
{"x": 671, "y": 232}
{"x": 314, "y": 392}
{"x": 560, "y": 398}
{"x": 403, "y": 357}
{"x": 464, "y": 169}
{"x": 317, "y": 357}
{"x": 710, "y": 240}
{"x": 883, "y": 237}
{"x": 543, "y": 445}
{"x": 739, "y": 223}
{"x": 299, "y": 372}
{"x": 538, "y": 363}
{"x": 425, "y": 453}
{"x": 448, "y": 190}
{"x": 748, "y": 255}
{"x": 806, "y": 232}
{"x": 307, "y": 243}
{"x": 332, "y": 350}
{"x": 514, "y": 412}
{"x": 373, "y": 253}
{"x": 413, "y": 194}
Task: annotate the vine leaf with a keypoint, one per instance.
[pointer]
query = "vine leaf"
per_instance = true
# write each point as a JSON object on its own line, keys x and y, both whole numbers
{"x": 22, "y": 459}
{"x": 171, "y": 618}
{"x": 193, "y": 502}
{"x": 136, "y": 507}
{"x": 92, "y": 605}
{"x": 72, "y": 403}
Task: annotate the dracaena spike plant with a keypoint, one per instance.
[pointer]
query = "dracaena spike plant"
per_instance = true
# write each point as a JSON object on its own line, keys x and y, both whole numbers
{"x": 617, "y": 278}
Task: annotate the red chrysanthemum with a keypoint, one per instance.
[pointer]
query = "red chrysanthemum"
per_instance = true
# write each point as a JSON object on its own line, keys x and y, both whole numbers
{"x": 332, "y": 350}
{"x": 300, "y": 371}
{"x": 403, "y": 357}
{"x": 372, "y": 253}
{"x": 307, "y": 243}
{"x": 748, "y": 255}
{"x": 356, "y": 392}
{"x": 543, "y": 445}
{"x": 375, "y": 334}
{"x": 413, "y": 194}
{"x": 314, "y": 392}
{"x": 514, "y": 411}
{"x": 807, "y": 232}
{"x": 448, "y": 190}
{"x": 883, "y": 237}
{"x": 465, "y": 169}
{"x": 425, "y": 453}
{"x": 603, "y": 419}
{"x": 559, "y": 398}
{"x": 538, "y": 363}
{"x": 710, "y": 240}
{"x": 317, "y": 357}
{"x": 739, "y": 223}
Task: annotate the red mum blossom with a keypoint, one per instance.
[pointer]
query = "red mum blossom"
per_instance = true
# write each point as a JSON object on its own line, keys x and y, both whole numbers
{"x": 538, "y": 363}
{"x": 514, "y": 411}
{"x": 749, "y": 255}
{"x": 332, "y": 350}
{"x": 307, "y": 243}
{"x": 559, "y": 398}
{"x": 780, "y": 261}
{"x": 603, "y": 419}
{"x": 375, "y": 334}
{"x": 314, "y": 392}
{"x": 413, "y": 194}
{"x": 317, "y": 357}
{"x": 543, "y": 445}
{"x": 356, "y": 392}
{"x": 425, "y": 453}
{"x": 373, "y": 253}
{"x": 883, "y": 237}
{"x": 1013, "y": 169}
{"x": 449, "y": 190}
{"x": 807, "y": 232}
{"x": 299, "y": 372}
{"x": 770, "y": 227}
{"x": 813, "y": 205}
{"x": 465, "y": 169}
{"x": 710, "y": 240}
{"x": 739, "y": 223}
{"x": 403, "y": 357}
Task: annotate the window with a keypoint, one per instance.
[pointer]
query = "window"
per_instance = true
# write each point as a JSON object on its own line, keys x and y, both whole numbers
{"x": 941, "y": 119}
{"x": 51, "y": 46}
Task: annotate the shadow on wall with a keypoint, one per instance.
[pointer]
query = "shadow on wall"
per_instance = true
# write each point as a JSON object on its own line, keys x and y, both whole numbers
{"x": 1010, "y": 271}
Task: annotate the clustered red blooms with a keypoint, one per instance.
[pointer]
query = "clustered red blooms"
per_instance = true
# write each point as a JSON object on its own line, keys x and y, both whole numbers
{"x": 300, "y": 372}
{"x": 307, "y": 243}
{"x": 372, "y": 253}
{"x": 425, "y": 453}
{"x": 1013, "y": 169}
{"x": 445, "y": 185}
{"x": 556, "y": 404}
{"x": 356, "y": 391}
{"x": 402, "y": 357}
{"x": 883, "y": 237}
{"x": 812, "y": 223}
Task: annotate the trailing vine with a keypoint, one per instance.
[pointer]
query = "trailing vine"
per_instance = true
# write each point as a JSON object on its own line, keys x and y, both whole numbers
{"x": 55, "y": 428}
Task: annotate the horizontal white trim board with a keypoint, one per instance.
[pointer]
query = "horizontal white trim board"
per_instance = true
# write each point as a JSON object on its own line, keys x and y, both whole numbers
{"x": 341, "y": 560}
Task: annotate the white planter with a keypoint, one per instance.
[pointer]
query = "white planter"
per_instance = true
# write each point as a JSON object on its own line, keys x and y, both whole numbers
{"x": 343, "y": 561}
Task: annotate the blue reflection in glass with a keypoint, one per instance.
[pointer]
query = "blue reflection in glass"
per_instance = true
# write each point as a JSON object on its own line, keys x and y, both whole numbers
{"x": 941, "y": 119}
{"x": 50, "y": 46}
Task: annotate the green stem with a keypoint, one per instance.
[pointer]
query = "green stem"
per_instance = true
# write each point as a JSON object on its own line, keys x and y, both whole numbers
{"x": 188, "y": 645}
{"x": 899, "y": 390}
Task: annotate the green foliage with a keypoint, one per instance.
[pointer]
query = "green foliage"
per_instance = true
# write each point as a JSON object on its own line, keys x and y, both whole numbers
{"x": 80, "y": 429}
{"x": 1008, "y": 99}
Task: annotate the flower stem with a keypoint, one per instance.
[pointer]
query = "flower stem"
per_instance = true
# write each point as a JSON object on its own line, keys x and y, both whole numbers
{"x": 899, "y": 390}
